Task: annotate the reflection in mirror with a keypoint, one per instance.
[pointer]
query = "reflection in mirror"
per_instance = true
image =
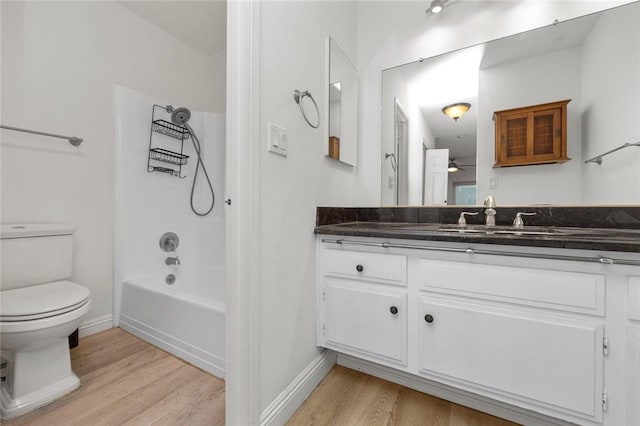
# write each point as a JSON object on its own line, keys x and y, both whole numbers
{"x": 342, "y": 105}
{"x": 334, "y": 120}
{"x": 593, "y": 60}
{"x": 400, "y": 153}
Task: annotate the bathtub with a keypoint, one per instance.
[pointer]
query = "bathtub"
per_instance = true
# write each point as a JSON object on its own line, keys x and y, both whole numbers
{"x": 191, "y": 328}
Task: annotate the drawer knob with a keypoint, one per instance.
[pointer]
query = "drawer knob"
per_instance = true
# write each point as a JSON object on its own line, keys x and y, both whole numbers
{"x": 393, "y": 310}
{"x": 428, "y": 318}
{"x": 359, "y": 268}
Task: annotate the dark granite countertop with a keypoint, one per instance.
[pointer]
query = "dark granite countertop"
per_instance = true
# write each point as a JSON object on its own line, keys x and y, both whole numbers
{"x": 570, "y": 234}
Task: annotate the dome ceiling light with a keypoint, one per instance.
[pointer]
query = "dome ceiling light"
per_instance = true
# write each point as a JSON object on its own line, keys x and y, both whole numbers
{"x": 456, "y": 111}
{"x": 436, "y": 6}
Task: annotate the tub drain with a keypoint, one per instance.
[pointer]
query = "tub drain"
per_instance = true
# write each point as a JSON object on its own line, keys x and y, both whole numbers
{"x": 170, "y": 279}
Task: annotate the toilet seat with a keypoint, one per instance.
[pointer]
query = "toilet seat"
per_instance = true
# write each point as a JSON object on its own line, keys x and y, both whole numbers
{"x": 42, "y": 301}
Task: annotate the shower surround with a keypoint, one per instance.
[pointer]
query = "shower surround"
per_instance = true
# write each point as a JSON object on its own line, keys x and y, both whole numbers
{"x": 187, "y": 317}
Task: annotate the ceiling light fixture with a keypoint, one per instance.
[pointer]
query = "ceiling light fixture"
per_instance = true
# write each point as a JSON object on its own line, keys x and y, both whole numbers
{"x": 453, "y": 167}
{"x": 456, "y": 111}
{"x": 436, "y": 6}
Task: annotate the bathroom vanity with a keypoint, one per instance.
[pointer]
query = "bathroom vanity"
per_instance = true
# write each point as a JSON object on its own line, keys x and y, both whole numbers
{"x": 534, "y": 324}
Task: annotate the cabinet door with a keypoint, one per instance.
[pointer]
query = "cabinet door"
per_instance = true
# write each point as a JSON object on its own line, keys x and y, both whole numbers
{"x": 365, "y": 319}
{"x": 514, "y": 136}
{"x": 546, "y": 135}
{"x": 520, "y": 358}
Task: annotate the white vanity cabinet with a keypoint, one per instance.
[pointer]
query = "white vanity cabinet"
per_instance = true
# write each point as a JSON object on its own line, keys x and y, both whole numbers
{"x": 528, "y": 332}
{"x": 364, "y": 300}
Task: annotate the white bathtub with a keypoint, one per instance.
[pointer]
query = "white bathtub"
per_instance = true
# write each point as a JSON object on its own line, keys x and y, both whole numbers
{"x": 188, "y": 327}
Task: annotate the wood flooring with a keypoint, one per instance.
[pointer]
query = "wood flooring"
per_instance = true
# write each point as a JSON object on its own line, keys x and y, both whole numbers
{"x": 126, "y": 381}
{"x": 348, "y": 397}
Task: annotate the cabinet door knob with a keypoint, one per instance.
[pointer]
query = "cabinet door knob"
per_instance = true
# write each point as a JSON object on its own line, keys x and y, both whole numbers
{"x": 393, "y": 310}
{"x": 359, "y": 268}
{"x": 428, "y": 318}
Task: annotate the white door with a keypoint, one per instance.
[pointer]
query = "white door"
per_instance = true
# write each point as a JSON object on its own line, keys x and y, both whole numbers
{"x": 436, "y": 177}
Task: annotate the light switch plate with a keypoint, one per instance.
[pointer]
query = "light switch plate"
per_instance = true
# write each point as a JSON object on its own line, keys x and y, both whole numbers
{"x": 277, "y": 139}
{"x": 493, "y": 182}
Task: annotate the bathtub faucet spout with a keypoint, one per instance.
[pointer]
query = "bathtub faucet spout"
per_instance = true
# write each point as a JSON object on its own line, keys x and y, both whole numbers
{"x": 172, "y": 261}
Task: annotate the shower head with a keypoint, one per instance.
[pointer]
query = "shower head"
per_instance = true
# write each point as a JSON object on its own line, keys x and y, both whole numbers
{"x": 180, "y": 115}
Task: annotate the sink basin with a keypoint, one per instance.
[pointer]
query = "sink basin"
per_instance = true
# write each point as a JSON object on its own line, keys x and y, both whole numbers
{"x": 500, "y": 230}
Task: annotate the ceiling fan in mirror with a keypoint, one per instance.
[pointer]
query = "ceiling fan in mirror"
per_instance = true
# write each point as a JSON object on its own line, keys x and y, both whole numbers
{"x": 454, "y": 167}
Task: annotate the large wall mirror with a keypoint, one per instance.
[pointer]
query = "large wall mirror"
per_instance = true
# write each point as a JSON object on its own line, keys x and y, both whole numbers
{"x": 342, "y": 105}
{"x": 430, "y": 157}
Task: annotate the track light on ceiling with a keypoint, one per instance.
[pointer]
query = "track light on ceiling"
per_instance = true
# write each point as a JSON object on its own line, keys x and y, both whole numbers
{"x": 436, "y": 6}
{"x": 457, "y": 110}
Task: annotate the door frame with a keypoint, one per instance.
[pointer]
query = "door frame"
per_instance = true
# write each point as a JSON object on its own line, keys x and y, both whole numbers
{"x": 401, "y": 150}
{"x": 242, "y": 213}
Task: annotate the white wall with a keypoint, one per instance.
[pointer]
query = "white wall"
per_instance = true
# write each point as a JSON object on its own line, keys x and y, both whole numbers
{"x": 60, "y": 64}
{"x": 549, "y": 77}
{"x": 606, "y": 123}
{"x": 395, "y": 87}
{"x": 391, "y": 33}
{"x": 292, "y": 56}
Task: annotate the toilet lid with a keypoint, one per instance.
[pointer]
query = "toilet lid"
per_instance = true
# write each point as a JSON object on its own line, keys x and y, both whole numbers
{"x": 41, "y": 301}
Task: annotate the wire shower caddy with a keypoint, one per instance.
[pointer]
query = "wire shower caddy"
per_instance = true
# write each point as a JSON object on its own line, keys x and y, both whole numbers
{"x": 158, "y": 154}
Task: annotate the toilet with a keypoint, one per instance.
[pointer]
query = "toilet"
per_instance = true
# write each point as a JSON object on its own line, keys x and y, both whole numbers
{"x": 39, "y": 309}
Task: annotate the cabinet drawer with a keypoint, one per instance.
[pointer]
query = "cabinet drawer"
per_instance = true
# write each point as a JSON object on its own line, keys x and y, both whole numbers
{"x": 559, "y": 290}
{"x": 388, "y": 268}
{"x": 366, "y": 320}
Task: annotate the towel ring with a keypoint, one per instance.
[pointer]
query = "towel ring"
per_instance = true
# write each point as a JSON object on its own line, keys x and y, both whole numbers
{"x": 298, "y": 96}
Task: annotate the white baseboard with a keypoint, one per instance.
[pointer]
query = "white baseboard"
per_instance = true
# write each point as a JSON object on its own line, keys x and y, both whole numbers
{"x": 95, "y": 325}
{"x": 209, "y": 362}
{"x": 467, "y": 399}
{"x": 284, "y": 405}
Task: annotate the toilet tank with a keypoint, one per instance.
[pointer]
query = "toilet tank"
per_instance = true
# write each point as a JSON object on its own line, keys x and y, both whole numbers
{"x": 33, "y": 254}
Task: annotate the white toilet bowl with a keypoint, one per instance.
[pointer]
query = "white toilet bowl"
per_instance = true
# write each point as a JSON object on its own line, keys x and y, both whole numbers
{"x": 35, "y": 323}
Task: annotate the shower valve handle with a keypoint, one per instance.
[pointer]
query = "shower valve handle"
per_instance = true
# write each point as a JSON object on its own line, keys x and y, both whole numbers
{"x": 169, "y": 242}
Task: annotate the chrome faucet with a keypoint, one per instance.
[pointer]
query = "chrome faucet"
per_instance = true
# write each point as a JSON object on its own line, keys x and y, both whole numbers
{"x": 518, "y": 222}
{"x": 462, "y": 222}
{"x": 172, "y": 261}
{"x": 490, "y": 211}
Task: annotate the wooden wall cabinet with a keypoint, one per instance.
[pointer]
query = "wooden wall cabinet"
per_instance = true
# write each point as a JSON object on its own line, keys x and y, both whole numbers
{"x": 530, "y": 135}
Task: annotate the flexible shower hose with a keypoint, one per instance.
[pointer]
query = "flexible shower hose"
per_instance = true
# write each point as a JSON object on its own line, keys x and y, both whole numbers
{"x": 196, "y": 146}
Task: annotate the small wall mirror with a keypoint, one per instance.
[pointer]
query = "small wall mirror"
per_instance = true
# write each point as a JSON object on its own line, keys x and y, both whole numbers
{"x": 342, "y": 105}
